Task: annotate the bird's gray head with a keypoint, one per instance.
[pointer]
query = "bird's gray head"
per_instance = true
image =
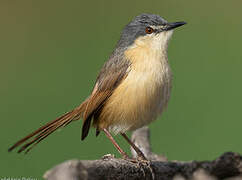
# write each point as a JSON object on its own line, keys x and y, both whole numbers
{"x": 147, "y": 27}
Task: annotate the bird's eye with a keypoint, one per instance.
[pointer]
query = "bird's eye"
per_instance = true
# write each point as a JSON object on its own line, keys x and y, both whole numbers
{"x": 149, "y": 30}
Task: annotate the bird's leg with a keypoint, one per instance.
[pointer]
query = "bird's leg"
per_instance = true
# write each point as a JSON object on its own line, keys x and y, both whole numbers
{"x": 137, "y": 150}
{"x": 124, "y": 155}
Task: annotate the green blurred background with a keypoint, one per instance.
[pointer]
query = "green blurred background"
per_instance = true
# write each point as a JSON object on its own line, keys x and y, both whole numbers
{"x": 51, "y": 52}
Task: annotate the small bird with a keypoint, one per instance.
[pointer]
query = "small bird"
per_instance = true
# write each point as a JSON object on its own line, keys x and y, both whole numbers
{"x": 131, "y": 90}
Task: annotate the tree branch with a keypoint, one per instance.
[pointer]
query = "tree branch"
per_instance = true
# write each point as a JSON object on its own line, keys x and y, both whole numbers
{"x": 228, "y": 166}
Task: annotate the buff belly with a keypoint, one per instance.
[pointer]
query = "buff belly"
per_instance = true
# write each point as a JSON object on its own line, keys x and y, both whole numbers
{"x": 145, "y": 91}
{"x": 138, "y": 100}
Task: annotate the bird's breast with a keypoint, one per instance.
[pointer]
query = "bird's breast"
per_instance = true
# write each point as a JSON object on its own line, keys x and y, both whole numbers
{"x": 141, "y": 96}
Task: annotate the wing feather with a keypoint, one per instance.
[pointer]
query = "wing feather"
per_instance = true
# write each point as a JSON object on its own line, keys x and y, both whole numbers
{"x": 111, "y": 75}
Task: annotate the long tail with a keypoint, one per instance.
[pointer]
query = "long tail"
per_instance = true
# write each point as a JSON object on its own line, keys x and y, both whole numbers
{"x": 37, "y": 136}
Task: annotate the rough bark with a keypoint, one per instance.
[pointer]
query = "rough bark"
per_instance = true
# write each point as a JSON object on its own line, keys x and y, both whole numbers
{"x": 228, "y": 166}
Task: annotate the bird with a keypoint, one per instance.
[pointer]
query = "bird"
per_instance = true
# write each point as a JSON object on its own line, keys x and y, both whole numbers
{"x": 131, "y": 90}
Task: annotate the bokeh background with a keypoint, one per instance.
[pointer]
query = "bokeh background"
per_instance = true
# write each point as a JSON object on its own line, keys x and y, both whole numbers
{"x": 51, "y": 52}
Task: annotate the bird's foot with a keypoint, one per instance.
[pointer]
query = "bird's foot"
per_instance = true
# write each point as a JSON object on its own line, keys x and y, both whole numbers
{"x": 138, "y": 159}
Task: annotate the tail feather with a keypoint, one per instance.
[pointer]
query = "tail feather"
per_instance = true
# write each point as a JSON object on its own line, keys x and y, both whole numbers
{"x": 37, "y": 136}
{"x": 28, "y": 146}
{"x": 38, "y": 140}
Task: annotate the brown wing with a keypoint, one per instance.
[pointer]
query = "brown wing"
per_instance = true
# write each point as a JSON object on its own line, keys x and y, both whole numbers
{"x": 111, "y": 75}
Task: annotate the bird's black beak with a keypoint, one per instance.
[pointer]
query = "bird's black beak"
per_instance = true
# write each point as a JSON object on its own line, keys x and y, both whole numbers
{"x": 170, "y": 26}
